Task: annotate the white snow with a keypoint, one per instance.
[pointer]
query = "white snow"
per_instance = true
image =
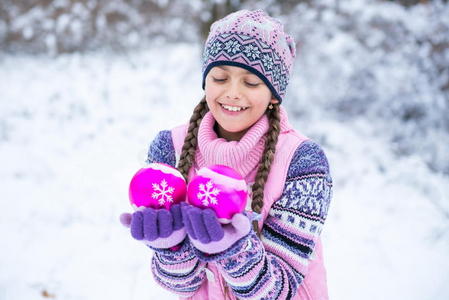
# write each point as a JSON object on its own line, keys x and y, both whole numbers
{"x": 74, "y": 129}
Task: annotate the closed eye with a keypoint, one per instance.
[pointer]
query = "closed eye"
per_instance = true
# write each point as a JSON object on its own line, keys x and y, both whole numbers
{"x": 252, "y": 84}
{"x": 247, "y": 83}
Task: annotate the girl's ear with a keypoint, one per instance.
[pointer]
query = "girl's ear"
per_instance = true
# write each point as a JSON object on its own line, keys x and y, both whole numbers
{"x": 274, "y": 101}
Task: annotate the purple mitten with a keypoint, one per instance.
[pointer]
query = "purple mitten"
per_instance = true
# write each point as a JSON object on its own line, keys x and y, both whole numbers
{"x": 207, "y": 234}
{"x": 158, "y": 228}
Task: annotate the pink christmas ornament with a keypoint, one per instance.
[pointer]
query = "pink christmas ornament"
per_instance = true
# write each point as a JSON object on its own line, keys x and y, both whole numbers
{"x": 157, "y": 185}
{"x": 220, "y": 188}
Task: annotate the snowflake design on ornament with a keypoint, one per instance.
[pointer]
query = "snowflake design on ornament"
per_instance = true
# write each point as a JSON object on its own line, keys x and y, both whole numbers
{"x": 208, "y": 193}
{"x": 163, "y": 192}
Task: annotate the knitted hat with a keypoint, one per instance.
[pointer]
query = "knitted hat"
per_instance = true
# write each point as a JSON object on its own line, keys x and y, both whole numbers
{"x": 254, "y": 41}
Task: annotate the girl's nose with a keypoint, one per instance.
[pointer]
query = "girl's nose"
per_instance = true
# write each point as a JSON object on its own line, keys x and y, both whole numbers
{"x": 233, "y": 91}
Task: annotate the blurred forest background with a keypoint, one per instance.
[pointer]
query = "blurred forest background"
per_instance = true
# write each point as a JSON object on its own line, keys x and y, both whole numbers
{"x": 379, "y": 47}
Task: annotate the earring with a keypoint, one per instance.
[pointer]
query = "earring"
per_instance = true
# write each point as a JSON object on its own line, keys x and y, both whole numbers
{"x": 270, "y": 106}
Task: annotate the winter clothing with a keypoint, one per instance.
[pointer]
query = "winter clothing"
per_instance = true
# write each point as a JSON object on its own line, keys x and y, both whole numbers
{"x": 243, "y": 156}
{"x": 158, "y": 228}
{"x": 286, "y": 262}
{"x": 254, "y": 41}
{"x": 208, "y": 235}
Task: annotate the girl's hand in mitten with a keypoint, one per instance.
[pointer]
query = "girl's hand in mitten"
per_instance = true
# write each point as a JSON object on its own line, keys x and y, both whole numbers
{"x": 158, "y": 228}
{"x": 207, "y": 234}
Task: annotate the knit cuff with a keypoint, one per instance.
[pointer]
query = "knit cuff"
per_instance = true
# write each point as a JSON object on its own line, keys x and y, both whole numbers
{"x": 183, "y": 246}
{"x": 166, "y": 243}
{"x": 238, "y": 247}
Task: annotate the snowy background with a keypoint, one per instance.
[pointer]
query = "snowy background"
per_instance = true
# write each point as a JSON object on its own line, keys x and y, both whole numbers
{"x": 370, "y": 85}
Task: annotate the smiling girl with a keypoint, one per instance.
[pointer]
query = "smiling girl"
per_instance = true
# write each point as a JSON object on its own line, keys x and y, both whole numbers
{"x": 240, "y": 123}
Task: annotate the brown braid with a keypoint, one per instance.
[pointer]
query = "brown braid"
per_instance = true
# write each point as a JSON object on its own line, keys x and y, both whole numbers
{"x": 265, "y": 162}
{"x": 187, "y": 157}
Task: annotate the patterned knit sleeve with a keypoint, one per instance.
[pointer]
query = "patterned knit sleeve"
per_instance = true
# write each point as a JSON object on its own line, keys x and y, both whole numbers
{"x": 274, "y": 266}
{"x": 178, "y": 271}
{"x": 162, "y": 150}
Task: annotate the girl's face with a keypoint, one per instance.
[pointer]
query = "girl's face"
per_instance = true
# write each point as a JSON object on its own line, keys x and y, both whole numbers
{"x": 237, "y": 99}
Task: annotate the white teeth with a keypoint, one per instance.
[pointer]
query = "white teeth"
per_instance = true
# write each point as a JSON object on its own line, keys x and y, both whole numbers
{"x": 233, "y": 108}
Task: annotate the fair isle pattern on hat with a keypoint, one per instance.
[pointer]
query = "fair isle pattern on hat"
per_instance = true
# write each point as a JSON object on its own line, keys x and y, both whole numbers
{"x": 254, "y": 41}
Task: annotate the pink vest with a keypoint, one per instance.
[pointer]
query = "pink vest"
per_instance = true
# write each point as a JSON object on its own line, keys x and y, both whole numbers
{"x": 314, "y": 285}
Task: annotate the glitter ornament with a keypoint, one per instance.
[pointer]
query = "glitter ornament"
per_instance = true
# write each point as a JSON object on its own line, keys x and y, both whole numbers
{"x": 157, "y": 185}
{"x": 220, "y": 188}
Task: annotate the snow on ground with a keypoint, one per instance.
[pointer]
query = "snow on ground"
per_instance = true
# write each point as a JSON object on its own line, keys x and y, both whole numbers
{"x": 74, "y": 129}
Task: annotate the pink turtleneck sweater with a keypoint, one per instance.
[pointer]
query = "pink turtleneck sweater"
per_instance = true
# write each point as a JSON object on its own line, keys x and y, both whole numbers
{"x": 243, "y": 155}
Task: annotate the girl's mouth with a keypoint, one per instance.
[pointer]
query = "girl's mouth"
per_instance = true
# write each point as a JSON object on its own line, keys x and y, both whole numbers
{"x": 232, "y": 110}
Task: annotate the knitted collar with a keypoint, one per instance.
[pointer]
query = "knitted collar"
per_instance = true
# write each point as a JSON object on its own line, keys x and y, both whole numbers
{"x": 243, "y": 155}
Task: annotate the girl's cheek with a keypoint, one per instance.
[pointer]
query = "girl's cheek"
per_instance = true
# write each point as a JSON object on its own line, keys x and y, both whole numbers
{"x": 213, "y": 91}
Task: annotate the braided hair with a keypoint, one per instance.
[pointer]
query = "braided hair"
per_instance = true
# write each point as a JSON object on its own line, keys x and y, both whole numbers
{"x": 265, "y": 162}
{"x": 187, "y": 157}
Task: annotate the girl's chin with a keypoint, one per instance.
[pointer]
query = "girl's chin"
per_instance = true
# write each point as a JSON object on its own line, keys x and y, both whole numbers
{"x": 229, "y": 130}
